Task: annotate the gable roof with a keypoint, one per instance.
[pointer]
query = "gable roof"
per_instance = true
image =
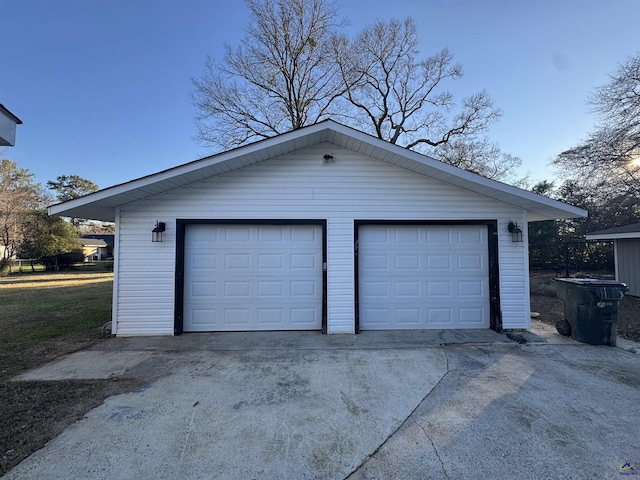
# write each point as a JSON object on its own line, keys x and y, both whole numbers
{"x": 107, "y": 238}
{"x": 625, "y": 231}
{"x": 101, "y": 205}
{"x": 92, "y": 242}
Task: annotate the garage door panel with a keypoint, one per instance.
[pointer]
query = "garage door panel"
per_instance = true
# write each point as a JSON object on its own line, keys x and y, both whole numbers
{"x": 301, "y": 236}
{"x": 270, "y": 262}
{"x": 440, "y": 236}
{"x": 407, "y": 235}
{"x": 202, "y": 262}
{"x": 409, "y": 317}
{"x": 438, "y": 261}
{"x": 304, "y": 317}
{"x": 439, "y": 289}
{"x": 304, "y": 261}
{"x": 375, "y": 262}
{"x": 253, "y": 277}
{"x": 232, "y": 235}
{"x": 471, "y": 236}
{"x": 269, "y": 234}
{"x": 472, "y": 289}
{"x": 407, "y": 262}
{"x": 407, "y": 289}
{"x": 440, "y": 317}
{"x": 423, "y": 276}
{"x": 373, "y": 289}
{"x": 471, "y": 316}
{"x": 303, "y": 289}
{"x": 270, "y": 317}
{"x": 272, "y": 288}
{"x": 376, "y": 316}
{"x": 467, "y": 263}
{"x": 203, "y": 289}
{"x": 237, "y": 261}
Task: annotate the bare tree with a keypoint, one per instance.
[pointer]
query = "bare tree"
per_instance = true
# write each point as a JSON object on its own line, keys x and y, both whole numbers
{"x": 18, "y": 196}
{"x": 609, "y": 159}
{"x": 281, "y": 79}
{"x": 401, "y": 96}
{"x": 296, "y": 68}
{"x": 481, "y": 156}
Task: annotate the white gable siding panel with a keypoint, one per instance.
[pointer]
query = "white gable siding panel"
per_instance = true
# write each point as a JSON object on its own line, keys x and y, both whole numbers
{"x": 301, "y": 186}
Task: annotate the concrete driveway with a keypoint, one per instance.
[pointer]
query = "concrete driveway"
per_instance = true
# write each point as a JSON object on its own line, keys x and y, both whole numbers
{"x": 412, "y": 405}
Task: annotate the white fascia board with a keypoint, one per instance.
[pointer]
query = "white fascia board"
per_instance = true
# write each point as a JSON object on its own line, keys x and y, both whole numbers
{"x": 613, "y": 236}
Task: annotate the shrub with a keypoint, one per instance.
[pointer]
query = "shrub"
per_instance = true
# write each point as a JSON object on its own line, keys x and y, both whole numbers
{"x": 64, "y": 261}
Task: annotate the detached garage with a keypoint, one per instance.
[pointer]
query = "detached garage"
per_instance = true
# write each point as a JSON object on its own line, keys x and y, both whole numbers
{"x": 324, "y": 228}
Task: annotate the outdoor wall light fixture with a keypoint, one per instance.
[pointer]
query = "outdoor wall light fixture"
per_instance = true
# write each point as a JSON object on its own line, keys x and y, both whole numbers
{"x": 156, "y": 233}
{"x": 328, "y": 158}
{"x": 516, "y": 232}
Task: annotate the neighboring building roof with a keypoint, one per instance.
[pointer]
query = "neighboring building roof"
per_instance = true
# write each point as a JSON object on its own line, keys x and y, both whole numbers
{"x": 7, "y": 112}
{"x": 92, "y": 242}
{"x": 101, "y": 205}
{"x": 8, "y": 122}
{"x": 625, "y": 231}
{"x": 107, "y": 238}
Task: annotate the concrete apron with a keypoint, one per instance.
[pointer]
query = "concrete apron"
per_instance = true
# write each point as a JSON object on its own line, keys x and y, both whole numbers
{"x": 277, "y": 406}
{"x": 375, "y": 405}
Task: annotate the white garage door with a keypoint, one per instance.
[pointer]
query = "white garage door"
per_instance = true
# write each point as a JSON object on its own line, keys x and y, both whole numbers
{"x": 418, "y": 277}
{"x": 252, "y": 277}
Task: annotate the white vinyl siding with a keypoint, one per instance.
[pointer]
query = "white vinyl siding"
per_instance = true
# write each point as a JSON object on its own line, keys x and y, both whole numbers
{"x": 627, "y": 254}
{"x": 301, "y": 186}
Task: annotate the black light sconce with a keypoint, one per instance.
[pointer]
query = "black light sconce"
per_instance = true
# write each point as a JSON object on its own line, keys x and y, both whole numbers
{"x": 515, "y": 231}
{"x": 156, "y": 233}
{"x": 328, "y": 158}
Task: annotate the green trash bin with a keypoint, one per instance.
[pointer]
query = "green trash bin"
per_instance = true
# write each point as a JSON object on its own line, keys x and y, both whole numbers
{"x": 590, "y": 309}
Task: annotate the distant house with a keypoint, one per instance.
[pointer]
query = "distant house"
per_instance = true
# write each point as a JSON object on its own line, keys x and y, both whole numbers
{"x": 626, "y": 244}
{"x": 97, "y": 247}
{"x": 3, "y": 250}
{"x": 8, "y": 122}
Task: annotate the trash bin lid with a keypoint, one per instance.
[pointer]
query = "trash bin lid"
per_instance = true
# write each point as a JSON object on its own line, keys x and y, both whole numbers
{"x": 592, "y": 282}
{"x": 601, "y": 289}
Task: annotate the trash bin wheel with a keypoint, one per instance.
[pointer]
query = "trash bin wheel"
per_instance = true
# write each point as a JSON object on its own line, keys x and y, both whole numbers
{"x": 563, "y": 328}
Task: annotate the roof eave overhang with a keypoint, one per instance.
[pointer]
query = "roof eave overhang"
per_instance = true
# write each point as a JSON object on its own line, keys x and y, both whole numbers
{"x": 613, "y": 236}
{"x": 102, "y": 205}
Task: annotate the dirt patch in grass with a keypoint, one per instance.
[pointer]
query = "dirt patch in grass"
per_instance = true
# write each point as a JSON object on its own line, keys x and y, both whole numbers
{"x": 550, "y": 308}
{"x": 32, "y": 413}
{"x": 44, "y": 316}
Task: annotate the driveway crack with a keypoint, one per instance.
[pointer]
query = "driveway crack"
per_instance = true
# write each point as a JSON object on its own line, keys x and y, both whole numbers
{"x": 404, "y": 422}
{"x": 433, "y": 445}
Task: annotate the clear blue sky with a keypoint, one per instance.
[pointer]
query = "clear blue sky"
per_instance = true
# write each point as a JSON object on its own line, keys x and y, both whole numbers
{"x": 102, "y": 86}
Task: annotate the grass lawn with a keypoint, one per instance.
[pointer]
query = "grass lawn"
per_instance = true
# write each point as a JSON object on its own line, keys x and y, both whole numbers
{"x": 42, "y": 316}
{"x": 45, "y": 306}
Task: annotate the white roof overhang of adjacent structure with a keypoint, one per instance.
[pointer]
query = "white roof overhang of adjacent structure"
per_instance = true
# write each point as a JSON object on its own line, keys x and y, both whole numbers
{"x": 616, "y": 233}
{"x": 92, "y": 242}
{"x": 8, "y": 122}
{"x": 101, "y": 205}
